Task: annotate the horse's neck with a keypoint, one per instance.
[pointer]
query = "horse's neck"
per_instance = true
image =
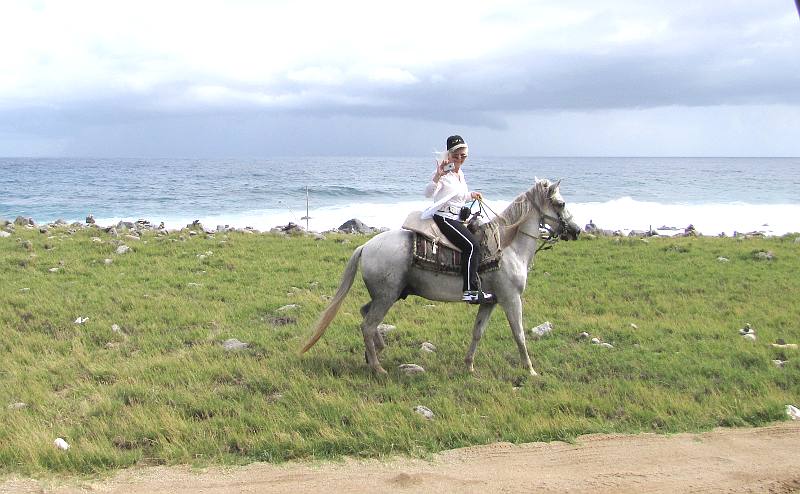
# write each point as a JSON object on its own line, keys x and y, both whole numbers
{"x": 524, "y": 242}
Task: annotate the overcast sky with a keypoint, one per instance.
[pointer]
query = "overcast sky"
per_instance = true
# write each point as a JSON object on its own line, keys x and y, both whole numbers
{"x": 272, "y": 78}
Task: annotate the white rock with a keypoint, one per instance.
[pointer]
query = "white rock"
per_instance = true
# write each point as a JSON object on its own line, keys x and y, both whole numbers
{"x": 428, "y": 347}
{"x": 596, "y": 341}
{"x": 749, "y": 336}
{"x": 634, "y": 326}
{"x": 793, "y": 412}
{"x": 97, "y": 240}
{"x": 789, "y": 346}
{"x": 287, "y": 307}
{"x": 53, "y": 270}
{"x": 779, "y": 363}
{"x": 81, "y": 320}
{"x": 123, "y": 249}
{"x": 24, "y": 289}
{"x": 233, "y": 344}
{"x": 606, "y": 345}
{"x": 722, "y": 259}
{"x": 108, "y": 261}
{"x": 541, "y": 330}
{"x": 747, "y": 329}
{"x": 424, "y": 411}
{"x": 115, "y": 328}
{"x": 411, "y": 369}
{"x": 384, "y": 329}
{"x": 4, "y": 234}
{"x": 17, "y": 406}
{"x": 583, "y": 335}
{"x": 61, "y": 444}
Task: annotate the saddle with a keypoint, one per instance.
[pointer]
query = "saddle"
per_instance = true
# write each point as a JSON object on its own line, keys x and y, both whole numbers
{"x": 434, "y": 252}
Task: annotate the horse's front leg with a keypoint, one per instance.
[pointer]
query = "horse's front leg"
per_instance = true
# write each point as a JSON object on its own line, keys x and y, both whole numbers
{"x": 477, "y": 332}
{"x": 513, "y": 307}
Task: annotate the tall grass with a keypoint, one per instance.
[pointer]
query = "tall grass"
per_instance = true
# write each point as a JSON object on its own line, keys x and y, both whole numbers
{"x": 162, "y": 390}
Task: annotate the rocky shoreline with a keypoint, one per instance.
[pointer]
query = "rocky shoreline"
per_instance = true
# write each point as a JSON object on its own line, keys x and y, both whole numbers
{"x": 352, "y": 226}
{"x": 7, "y": 227}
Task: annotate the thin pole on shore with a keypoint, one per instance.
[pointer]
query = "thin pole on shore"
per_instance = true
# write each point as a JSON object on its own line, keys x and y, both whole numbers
{"x": 307, "y": 217}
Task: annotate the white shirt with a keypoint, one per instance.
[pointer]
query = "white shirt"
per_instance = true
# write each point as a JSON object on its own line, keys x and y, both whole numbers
{"x": 449, "y": 195}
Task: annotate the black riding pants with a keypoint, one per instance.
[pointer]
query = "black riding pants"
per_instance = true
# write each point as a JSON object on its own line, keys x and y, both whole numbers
{"x": 456, "y": 232}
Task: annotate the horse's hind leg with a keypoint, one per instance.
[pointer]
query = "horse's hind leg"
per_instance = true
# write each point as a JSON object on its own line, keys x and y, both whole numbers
{"x": 477, "y": 332}
{"x": 380, "y": 343}
{"x": 375, "y": 312}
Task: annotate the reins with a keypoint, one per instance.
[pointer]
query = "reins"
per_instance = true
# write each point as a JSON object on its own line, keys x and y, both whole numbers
{"x": 548, "y": 239}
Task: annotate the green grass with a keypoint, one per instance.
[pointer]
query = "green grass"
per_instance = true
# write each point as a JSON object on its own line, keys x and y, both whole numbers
{"x": 164, "y": 391}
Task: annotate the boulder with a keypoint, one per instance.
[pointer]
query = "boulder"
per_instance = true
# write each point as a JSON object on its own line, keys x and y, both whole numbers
{"x": 355, "y": 226}
{"x": 90, "y": 220}
{"x": 4, "y": 234}
{"x": 424, "y": 411}
{"x": 22, "y": 221}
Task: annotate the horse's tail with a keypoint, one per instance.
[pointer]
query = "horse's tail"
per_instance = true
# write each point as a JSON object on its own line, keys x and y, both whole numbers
{"x": 330, "y": 312}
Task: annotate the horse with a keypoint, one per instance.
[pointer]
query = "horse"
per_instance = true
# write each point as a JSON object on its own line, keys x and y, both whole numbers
{"x": 389, "y": 274}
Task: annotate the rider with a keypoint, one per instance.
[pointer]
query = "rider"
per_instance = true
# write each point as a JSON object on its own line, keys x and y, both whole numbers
{"x": 448, "y": 188}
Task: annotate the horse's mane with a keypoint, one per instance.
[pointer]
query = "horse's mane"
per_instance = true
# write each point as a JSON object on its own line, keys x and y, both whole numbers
{"x": 512, "y": 217}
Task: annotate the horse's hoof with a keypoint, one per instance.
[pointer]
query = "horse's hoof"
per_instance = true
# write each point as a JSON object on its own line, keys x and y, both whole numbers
{"x": 470, "y": 368}
{"x": 379, "y": 371}
{"x": 533, "y": 373}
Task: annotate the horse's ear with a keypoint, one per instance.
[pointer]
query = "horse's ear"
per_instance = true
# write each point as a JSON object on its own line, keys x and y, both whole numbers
{"x": 554, "y": 186}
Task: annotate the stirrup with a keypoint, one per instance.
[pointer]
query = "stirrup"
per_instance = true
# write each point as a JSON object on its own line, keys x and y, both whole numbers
{"x": 478, "y": 297}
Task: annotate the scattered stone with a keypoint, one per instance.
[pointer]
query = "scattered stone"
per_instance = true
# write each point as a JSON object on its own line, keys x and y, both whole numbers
{"x": 287, "y": 307}
{"x": 606, "y": 345}
{"x": 428, "y": 347}
{"x": 787, "y": 346}
{"x": 90, "y": 220}
{"x": 764, "y": 256}
{"x": 17, "y": 406}
{"x": 22, "y": 221}
{"x": 4, "y": 234}
{"x": 748, "y": 332}
{"x": 424, "y": 411}
{"x": 583, "y": 335}
{"x": 793, "y": 412}
{"x": 115, "y": 328}
{"x": 53, "y": 270}
{"x": 384, "y": 329}
{"x": 281, "y": 320}
{"x": 81, "y": 320}
{"x": 541, "y": 330}
{"x": 24, "y": 289}
{"x": 97, "y": 240}
{"x": 107, "y": 261}
{"x": 722, "y": 259}
{"x": 779, "y": 363}
{"x": 132, "y": 237}
{"x": 123, "y": 249}
{"x": 233, "y": 344}
{"x": 749, "y": 336}
{"x": 411, "y": 369}
{"x": 634, "y": 326}
{"x": 596, "y": 341}
{"x": 61, "y": 444}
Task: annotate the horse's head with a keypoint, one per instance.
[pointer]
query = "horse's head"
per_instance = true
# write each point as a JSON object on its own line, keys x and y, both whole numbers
{"x": 553, "y": 210}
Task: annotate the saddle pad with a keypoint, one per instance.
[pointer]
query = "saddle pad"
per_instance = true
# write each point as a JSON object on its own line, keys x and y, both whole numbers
{"x": 436, "y": 256}
{"x": 427, "y": 228}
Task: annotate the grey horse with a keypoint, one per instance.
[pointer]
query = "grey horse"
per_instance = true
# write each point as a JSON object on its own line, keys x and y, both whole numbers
{"x": 389, "y": 275}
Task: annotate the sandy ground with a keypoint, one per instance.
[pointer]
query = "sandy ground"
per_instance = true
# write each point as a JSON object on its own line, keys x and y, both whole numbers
{"x": 726, "y": 460}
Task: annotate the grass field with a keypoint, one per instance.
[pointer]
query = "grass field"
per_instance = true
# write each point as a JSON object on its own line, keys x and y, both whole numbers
{"x": 162, "y": 389}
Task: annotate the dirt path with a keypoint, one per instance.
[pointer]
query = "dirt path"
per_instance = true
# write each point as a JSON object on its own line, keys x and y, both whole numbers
{"x": 726, "y": 460}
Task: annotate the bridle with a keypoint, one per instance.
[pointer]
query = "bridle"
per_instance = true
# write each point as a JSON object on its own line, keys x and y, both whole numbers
{"x": 546, "y": 234}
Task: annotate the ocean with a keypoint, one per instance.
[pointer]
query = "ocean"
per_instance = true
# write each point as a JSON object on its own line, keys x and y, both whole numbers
{"x": 716, "y": 195}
